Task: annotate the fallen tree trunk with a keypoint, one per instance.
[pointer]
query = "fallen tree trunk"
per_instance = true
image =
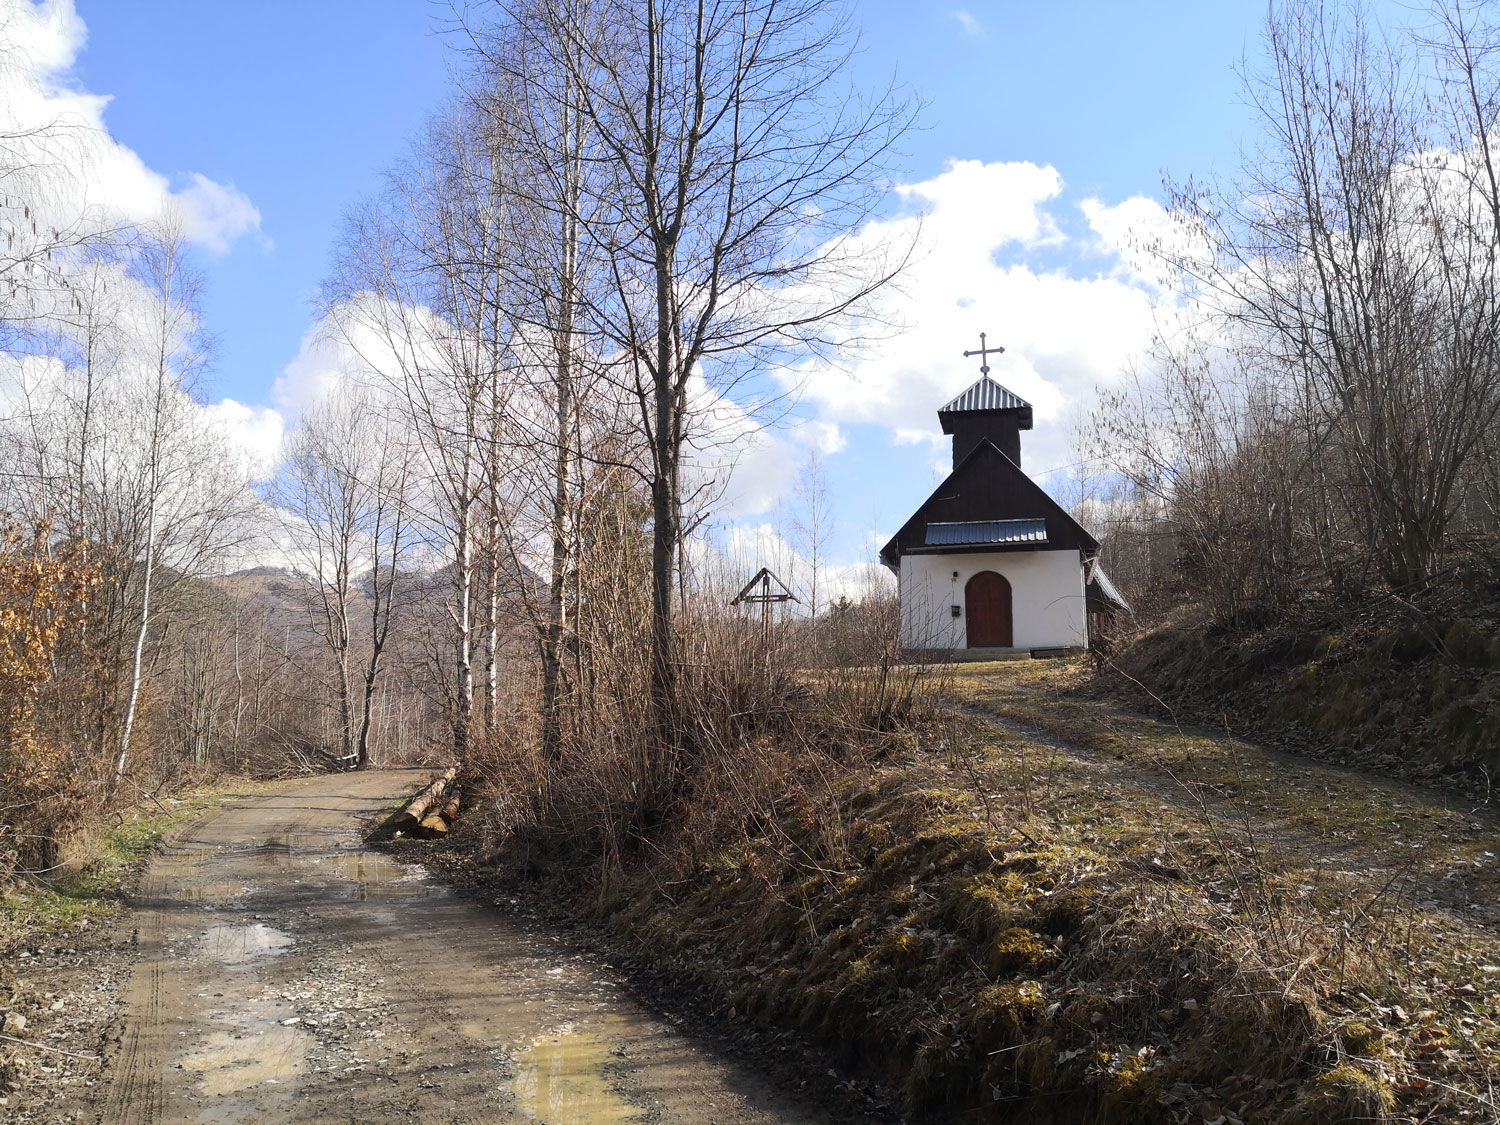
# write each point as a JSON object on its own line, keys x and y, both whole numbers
{"x": 432, "y": 827}
{"x": 411, "y": 817}
{"x": 449, "y": 811}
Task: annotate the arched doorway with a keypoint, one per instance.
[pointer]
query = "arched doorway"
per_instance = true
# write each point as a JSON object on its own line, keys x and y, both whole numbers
{"x": 987, "y": 607}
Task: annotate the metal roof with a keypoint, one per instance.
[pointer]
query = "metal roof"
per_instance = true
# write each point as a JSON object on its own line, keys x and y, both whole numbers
{"x": 985, "y": 395}
{"x": 972, "y": 533}
{"x": 1100, "y": 590}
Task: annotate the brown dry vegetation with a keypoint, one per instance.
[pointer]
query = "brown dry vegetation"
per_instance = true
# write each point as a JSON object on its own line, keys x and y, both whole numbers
{"x": 1415, "y": 695}
{"x": 1098, "y": 917}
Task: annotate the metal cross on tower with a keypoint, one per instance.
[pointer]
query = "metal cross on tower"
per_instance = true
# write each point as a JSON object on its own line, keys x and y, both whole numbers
{"x": 984, "y": 352}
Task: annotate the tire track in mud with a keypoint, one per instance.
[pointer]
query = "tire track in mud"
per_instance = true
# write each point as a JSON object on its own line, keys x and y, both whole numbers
{"x": 136, "y": 1096}
{"x": 286, "y": 974}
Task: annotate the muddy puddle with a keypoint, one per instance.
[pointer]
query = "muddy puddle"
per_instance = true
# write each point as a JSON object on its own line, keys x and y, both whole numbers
{"x": 362, "y": 876}
{"x": 353, "y": 875}
{"x": 182, "y": 874}
{"x": 563, "y": 1076}
{"x": 236, "y": 943}
{"x": 249, "y": 1062}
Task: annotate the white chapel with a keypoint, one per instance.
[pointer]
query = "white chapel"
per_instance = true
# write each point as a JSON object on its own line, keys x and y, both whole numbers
{"x": 990, "y": 565}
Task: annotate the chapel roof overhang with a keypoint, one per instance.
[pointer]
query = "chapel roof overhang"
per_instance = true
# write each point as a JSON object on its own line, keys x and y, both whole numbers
{"x": 985, "y": 397}
{"x": 1101, "y": 593}
{"x": 987, "y": 488}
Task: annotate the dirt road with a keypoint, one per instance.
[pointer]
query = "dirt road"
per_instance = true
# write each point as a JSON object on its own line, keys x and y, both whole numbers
{"x": 285, "y": 974}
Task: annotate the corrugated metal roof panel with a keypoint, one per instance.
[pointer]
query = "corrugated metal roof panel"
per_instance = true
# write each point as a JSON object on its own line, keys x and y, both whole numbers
{"x": 986, "y": 395}
{"x": 1102, "y": 591}
{"x": 972, "y": 533}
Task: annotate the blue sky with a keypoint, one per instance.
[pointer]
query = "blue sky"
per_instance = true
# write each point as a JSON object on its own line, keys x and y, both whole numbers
{"x": 1060, "y": 115}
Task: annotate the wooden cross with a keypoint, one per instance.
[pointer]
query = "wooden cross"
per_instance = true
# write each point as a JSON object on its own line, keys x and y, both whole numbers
{"x": 765, "y": 597}
{"x": 984, "y": 354}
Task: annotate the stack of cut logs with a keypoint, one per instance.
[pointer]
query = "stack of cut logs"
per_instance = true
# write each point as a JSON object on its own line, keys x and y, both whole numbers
{"x": 433, "y": 811}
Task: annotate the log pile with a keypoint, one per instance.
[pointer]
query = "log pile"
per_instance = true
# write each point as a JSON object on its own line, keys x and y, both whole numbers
{"x": 433, "y": 810}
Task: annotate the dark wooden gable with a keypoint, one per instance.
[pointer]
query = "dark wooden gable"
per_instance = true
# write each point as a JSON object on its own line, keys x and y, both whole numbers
{"x": 987, "y": 485}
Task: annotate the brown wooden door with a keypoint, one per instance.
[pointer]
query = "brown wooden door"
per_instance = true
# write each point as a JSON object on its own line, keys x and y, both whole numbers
{"x": 987, "y": 606}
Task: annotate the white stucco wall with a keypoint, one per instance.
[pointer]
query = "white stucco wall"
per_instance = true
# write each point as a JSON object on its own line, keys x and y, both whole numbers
{"x": 1047, "y": 609}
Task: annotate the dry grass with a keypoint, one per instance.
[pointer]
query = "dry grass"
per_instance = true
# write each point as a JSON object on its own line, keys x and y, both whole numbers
{"x": 751, "y": 728}
{"x": 102, "y": 858}
{"x": 1404, "y": 695}
{"x": 1445, "y": 851}
{"x": 1004, "y": 925}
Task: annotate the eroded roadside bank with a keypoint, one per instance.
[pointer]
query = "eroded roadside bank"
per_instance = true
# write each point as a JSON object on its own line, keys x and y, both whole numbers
{"x": 1004, "y": 925}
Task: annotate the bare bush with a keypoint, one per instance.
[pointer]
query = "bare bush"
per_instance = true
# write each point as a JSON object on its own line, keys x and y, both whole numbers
{"x": 1327, "y": 421}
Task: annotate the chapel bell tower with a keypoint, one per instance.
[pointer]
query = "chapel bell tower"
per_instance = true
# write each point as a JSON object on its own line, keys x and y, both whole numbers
{"x": 986, "y": 410}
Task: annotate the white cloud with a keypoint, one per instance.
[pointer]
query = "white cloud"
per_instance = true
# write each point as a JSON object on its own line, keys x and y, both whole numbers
{"x": 51, "y": 33}
{"x": 1136, "y": 230}
{"x": 57, "y": 126}
{"x": 323, "y": 361}
{"x": 734, "y": 465}
{"x": 822, "y": 438}
{"x": 906, "y": 436}
{"x": 982, "y": 228}
{"x": 256, "y": 432}
{"x": 368, "y": 342}
{"x": 971, "y": 26}
{"x": 753, "y": 466}
{"x": 215, "y": 215}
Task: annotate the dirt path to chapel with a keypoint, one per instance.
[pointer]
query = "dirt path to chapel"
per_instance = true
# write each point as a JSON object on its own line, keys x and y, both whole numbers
{"x": 287, "y": 974}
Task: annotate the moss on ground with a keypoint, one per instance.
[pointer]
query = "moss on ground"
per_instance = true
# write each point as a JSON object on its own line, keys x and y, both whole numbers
{"x": 1294, "y": 800}
{"x": 1343, "y": 1096}
{"x": 1009, "y": 936}
{"x": 1399, "y": 694}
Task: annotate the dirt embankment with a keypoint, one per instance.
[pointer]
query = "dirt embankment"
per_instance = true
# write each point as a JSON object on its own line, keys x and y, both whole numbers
{"x": 1395, "y": 690}
{"x": 1121, "y": 922}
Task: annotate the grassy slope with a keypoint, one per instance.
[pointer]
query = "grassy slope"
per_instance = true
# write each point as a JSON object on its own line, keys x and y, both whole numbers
{"x": 1375, "y": 823}
{"x": 1401, "y": 694}
{"x": 1383, "y": 895}
{"x": 1143, "y": 927}
{"x": 93, "y": 885}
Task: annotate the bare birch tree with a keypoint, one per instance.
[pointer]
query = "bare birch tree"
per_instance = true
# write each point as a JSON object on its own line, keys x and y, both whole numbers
{"x": 418, "y": 297}
{"x": 343, "y": 486}
{"x": 531, "y": 106}
{"x": 174, "y": 349}
{"x": 813, "y": 525}
{"x": 732, "y": 165}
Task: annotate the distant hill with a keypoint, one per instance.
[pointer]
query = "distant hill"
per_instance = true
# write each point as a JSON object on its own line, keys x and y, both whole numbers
{"x": 263, "y": 572}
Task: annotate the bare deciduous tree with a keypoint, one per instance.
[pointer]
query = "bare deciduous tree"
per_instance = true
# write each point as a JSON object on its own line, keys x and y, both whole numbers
{"x": 813, "y": 525}
{"x": 1354, "y": 269}
{"x": 532, "y": 105}
{"x": 343, "y": 488}
{"x": 732, "y": 166}
{"x": 175, "y": 350}
{"x": 419, "y": 298}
